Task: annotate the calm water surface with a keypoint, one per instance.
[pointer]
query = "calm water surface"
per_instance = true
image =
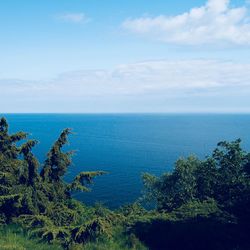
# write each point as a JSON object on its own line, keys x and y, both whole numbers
{"x": 128, "y": 145}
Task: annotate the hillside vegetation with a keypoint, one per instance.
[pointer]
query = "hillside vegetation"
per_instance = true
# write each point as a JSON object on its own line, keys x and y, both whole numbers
{"x": 201, "y": 204}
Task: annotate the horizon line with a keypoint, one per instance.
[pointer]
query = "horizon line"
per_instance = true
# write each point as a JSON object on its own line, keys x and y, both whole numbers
{"x": 128, "y": 113}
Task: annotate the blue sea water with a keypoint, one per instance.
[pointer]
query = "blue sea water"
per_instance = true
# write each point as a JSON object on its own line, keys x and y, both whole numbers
{"x": 128, "y": 145}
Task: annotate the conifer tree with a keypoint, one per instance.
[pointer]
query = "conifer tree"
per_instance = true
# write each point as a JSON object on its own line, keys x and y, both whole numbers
{"x": 31, "y": 161}
{"x": 8, "y": 146}
{"x": 24, "y": 191}
{"x": 57, "y": 162}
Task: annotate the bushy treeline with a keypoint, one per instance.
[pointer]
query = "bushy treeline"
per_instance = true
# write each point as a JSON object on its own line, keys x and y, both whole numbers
{"x": 206, "y": 203}
{"x": 201, "y": 204}
{"x": 223, "y": 177}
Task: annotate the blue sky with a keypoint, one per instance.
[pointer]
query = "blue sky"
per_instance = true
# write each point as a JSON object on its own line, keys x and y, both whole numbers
{"x": 124, "y": 56}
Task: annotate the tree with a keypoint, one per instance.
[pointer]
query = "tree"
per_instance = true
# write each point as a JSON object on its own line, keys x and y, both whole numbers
{"x": 25, "y": 191}
{"x": 222, "y": 177}
{"x": 172, "y": 190}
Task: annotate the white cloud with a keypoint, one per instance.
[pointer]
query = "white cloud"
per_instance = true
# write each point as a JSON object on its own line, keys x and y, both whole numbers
{"x": 73, "y": 17}
{"x": 145, "y": 78}
{"x": 215, "y": 22}
{"x": 191, "y": 85}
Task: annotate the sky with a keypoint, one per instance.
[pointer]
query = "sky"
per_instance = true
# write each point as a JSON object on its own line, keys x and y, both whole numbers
{"x": 92, "y": 56}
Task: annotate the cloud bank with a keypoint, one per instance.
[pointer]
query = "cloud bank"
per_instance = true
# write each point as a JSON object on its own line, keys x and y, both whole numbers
{"x": 152, "y": 86}
{"x": 215, "y": 22}
{"x": 143, "y": 78}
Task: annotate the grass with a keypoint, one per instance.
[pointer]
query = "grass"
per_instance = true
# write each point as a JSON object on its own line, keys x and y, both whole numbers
{"x": 120, "y": 242}
{"x": 14, "y": 238}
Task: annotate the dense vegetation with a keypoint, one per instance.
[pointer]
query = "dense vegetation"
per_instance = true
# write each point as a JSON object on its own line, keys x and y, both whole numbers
{"x": 208, "y": 200}
{"x": 201, "y": 204}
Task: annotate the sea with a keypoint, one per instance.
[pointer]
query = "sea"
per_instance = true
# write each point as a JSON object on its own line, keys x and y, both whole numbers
{"x": 128, "y": 145}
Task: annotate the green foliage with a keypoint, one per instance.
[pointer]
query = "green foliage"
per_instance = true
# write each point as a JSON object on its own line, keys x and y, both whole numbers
{"x": 221, "y": 177}
{"x": 173, "y": 190}
{"x": 14, "y": 238}
{"x": 195, "y": 209}
{"x": 55, "y": 234}
{"x": 131, "y": 213}
{"x": 202, "y": 204}
{"x": 61, "y": 214}
{"x": 119, "y": 241}
{"x": 30, "y": 176}
{"x": 8, "y": 142}
{"x": 9, "y": 205}
{"x": 41, "y": 201}
{"x": 82, "y": 180}
{"x": 92, "y": 230}
{"x": 233, "y": 181}
{"x": 57, "y": 161}
{"x": 34, "y": 221}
